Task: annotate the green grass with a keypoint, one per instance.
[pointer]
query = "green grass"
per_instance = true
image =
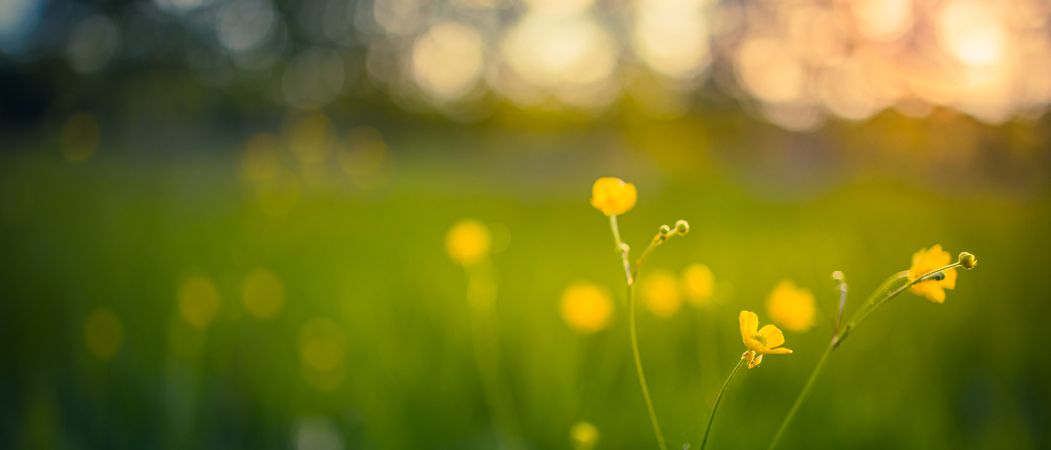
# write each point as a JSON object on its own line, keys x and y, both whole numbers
{"x": 124, "y": 232}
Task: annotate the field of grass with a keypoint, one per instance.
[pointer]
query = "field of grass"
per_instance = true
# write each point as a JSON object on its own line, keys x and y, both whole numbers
{"x": 372, "y": 346}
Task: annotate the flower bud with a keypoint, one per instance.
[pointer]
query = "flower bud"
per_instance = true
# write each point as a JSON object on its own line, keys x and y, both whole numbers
{"x": 682, "y": 227}
{"x": 664, "y": 231}
{"x": 967, "y": 261}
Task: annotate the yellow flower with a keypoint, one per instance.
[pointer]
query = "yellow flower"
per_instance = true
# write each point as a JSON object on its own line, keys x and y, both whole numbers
{"x": 698, "y": 282}
{"x": 586, "y": 307}
{"x": 467, "y": 242}
{"x": 791, "y": 307}
{"x": 613, "y": 196}
{"x": 584, "y": 435}
{"x": 660, "y": 293}
{"x": 925, "y": 261}
{"x": 760, "y": 341}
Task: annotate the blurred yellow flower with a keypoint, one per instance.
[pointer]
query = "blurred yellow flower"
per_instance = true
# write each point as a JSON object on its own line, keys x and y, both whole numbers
{"x": 586, "y": 307}
{"x": 584, "y": 436}
{"x": 698, "y": 282}
{"x": 613, "y": 196}
{"x": 660, "y": 293}
{"x": 321, "y": 344}
{"x": 791, "y": 307}
{"x": 263, "y": 294}
{"x": 467, "y": 242}
{"x": 760, "y": 341}
{"x": 198, "y": 301}
{"x": 925, "y": 261}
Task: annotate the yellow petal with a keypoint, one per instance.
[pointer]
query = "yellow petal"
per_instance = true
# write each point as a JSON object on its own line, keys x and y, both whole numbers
{"x": 950, "y": 279}
{"x": 778, "y": 351}
{"x": 932, "y": 290}
{"x": 754, "y": 345}
{"x": 613, "y": 196}
{"x": 772, "y": 336}
{"x": 749, "y": 324}
{"x": 927, "y": 260}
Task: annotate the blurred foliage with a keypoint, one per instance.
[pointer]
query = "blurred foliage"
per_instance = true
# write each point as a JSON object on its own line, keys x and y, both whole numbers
{"x": 369, "y": 345}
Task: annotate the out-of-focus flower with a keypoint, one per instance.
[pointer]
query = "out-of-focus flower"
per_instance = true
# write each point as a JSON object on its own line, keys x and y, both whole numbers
{"x": 660, "y": 293}
{"x": 613, "y": 196}
{"x": 584, "y": 436}
{"x": 791, "y": 307}
{"x": 698, "y": 282}
{"x": 467, "y": 242}
{"x": 198, "y": 301}
{"x": 925, "y": 261}
{"x": 760, "y": 341}
{"x": 586, "y": 307}
{"x": 263, "y": 294}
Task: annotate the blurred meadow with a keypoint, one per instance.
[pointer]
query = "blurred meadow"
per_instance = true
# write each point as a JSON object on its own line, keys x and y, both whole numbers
{"x": 225, "y": 223}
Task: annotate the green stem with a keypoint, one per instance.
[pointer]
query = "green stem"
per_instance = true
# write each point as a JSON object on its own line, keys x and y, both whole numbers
{"x": 877, "y": 300}
{"x": 802, "y": 396}
{"x": 622, "y": 249}
{"x": 711, "y": 418}
{"x": 638, "y": 368}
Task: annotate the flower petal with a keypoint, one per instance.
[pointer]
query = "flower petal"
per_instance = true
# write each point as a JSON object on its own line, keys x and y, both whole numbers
{"x": 754, "y": 345}
{"x": 749, "y": 324}
{"x": 772, "y": 335}
{"x": 779, "y": 351}
{"x": 950, "y": 279}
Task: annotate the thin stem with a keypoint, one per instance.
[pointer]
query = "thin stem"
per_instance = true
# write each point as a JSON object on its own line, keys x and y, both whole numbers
{"x": 871, "y": 305}
{"x": 802, "y": 396}
{"x": 638, "y": 368}
{"x": 711, "y": 418}
{"x": 622, "y": 249}
{"x": 654, "y": 243}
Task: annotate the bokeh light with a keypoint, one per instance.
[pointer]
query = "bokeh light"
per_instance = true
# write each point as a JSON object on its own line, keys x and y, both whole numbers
{"x": 263, "y": 294}
{"x": 198, "y": 301}
{"x": 660, "y": 293}
{"x": 586, "y": 307}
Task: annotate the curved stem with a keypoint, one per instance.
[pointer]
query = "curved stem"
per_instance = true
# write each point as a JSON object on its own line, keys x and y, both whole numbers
{"x": 802, "y": 396}
{"x": 638, "y": 368}
{"x": 711, "y": 418}
{"x": 875, "y": 301}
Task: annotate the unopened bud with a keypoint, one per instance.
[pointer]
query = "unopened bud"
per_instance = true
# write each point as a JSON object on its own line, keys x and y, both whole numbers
{"x": 682, "y": 227}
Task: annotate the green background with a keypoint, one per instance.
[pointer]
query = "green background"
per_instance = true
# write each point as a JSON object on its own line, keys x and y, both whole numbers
{"x": 123, "y": 229}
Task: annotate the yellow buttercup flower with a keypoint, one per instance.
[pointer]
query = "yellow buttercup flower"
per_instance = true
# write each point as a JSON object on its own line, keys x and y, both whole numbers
{"x": 660, "y": 293}
{"x": 791, "y": 307}
{"x": 467, "y": 242}
{"x": 760, "y": 341}
{"x": 925, "y": 261}
{"x": 613, "y": 196}
{"x": 698, "y": 283}
{"x": 586, "y": 307}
